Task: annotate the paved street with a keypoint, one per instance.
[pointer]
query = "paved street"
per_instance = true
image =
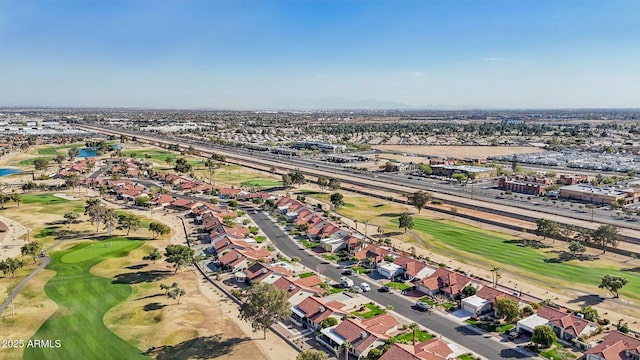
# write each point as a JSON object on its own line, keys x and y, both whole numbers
{"x": 489, "y": 348}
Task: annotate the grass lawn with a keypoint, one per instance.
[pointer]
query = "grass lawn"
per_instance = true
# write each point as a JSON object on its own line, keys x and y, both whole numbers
{"x": 557, "y": 352}
{"x": 308, "y": 244}
{"x": 44, "y": 199}
{"x": 306, "y": 275}
{"x": 83, "y": 299}
{"x": 360, "y": 269}
{"x": 55, "y": 150}
{"x": 466, "y": 357}
{"x": 371, "y": 311}
{"x": 260, "y": 239}
{"x": 330, "y": 257}
{"x": 502, "y": 250}
{"x": 398, "y": 285}
{"x": 427, "y": 300}
{"x": 157, "y": 155}
{"x": 262, "y": 183}
{"x": 407, "y": 338}
{"x": 336, "y": 289}
{"x": 490, "y": 326}
{"x": 28, "y": 162}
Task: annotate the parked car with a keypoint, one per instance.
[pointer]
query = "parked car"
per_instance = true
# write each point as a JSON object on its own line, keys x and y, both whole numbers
{"x": 347, "y": 271}
{"x": 357, "y": 289}
{"x": 421, "y": 306}
{"x": 514, "y": 335}
{"x": 385, "y": 289}
{"x": 346, "y": 282}
{"x": 365, "y": 287}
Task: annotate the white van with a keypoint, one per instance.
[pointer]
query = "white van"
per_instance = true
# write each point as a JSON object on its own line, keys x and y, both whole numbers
{"x": 365, "y": 287}
{"x": 346, "y": 282}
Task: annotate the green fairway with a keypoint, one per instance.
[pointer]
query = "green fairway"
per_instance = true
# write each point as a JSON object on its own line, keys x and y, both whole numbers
{"x": 524, "y": 260}
{"x": 55, "y": 150}
{"x": 157, "y": 155}
{"x": 263, "y": 183}
{"x": 28, "y": 162}
{"x": 44, "y": 199}
{"x": 82, "y": 300}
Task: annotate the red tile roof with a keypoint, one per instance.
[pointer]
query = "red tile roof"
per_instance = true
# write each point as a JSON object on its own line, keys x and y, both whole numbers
{"x": 572, "y": 325}
{"x": 615, "y": 345}
{"x": 411, "y": 266}
{"x": 449, "y": 282}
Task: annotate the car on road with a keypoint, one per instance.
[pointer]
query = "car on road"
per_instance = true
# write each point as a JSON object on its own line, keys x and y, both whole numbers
{"x": 357, "y": 289}
{"x": 385, "y": 289}
{"x": 421, "y": 306}
{"x": 347, "y": 272}
{"x": 365, "y": 287}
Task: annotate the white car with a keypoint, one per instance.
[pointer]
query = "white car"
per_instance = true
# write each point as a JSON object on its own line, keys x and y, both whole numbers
{"x": 365, "y": 287}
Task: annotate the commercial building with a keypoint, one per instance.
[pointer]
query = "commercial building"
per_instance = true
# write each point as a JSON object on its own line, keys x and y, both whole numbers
{"x": 531, "y": 185}
{"x": 598, "y": 195}
{"x": 449, "y": 170}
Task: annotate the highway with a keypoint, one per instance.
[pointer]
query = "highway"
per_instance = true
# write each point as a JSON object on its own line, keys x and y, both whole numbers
{"x": 390, "y": 185}
{"x": 487, "y": 347}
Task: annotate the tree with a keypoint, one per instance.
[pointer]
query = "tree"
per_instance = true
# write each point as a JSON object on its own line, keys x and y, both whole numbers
{"x": 16, "y": 198}
{"x": 32, "y": 248}
{"x": 11, "y": 265}
{"x": 374, "y": 354}
{"x": 322, "y": 182}
{"x": 576, "y": 247}
{"x": 334, "y": 184}
{"x": 109, "y": 219}
{"x": 468, "y": 290}
{"x": 405, "y": 222}
{"x": 346, "y": 345}
{"x": 460, "y": 177}
{"x": 166, "y": 288}
{"x": 41, "y": 164}
{"x": 589, "y": 313}
{"x": 158, "y": 228}
{"x": 178, "y": 255}
{"x": 70, "y": 217}
{"x": 330, "y": 321}
{"x": 297, "y": 178}
{"x": 94, "y": 209}
{"x": 265, "y": 304}
{"x": 286, "y": 180}
{"x": 176, "y": 292}
{"x": 606, "y": 235}
{"x": 547, "y": 228}
{"x": 73, "y": 153}
{"x": 543, "y": 336}
{"x": 337, "y": 200}
{"x": 508, "y": 308}
{"x": 414, "y": 327}
{"x": 496, "y": 275}
{"x": 153, "y": 256}
{"x": 426, "y": 169}
{"x": 419, "y": 199}
{"x": 142, "y": 201}
{"x": 60, "y": 158}
{"x": 312, "y": 354}
{"x": 129, "y": 222}
{"x": 182, "y": 165}
{"x": 613, "y": 284}
{"x": 71, "y": 182}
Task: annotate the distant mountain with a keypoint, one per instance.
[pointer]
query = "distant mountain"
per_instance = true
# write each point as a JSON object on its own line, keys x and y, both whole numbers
{"x": 331, "y": 103}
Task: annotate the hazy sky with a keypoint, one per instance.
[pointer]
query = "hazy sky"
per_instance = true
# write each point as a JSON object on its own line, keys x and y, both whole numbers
{"x": 268, "y": 53}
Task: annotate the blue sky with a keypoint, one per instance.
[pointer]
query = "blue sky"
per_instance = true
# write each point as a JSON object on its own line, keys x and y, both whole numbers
{"x": 238, "y": 54}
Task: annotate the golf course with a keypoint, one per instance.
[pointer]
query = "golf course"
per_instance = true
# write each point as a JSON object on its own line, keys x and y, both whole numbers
{"x": 83, "y": 299}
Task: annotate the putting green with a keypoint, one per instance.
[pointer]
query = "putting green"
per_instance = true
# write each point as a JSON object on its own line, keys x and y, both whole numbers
{"x": 83, "y": 299}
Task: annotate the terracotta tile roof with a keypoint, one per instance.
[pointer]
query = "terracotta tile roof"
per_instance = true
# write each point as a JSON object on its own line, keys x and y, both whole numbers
{"x": 615, "y": 346}
{"x": 230, "y": 191}
{"x": 572, "y": 325}
{"x": 162, "y": 199}
{"x": 181, "y": 202}
{"x": 380, "y": 324}
{"x": 447, "y": 281}
{"x": 374, "y": 251}
{"x": 231, "y": 257}
{"x": 492, "y": 294}
{"x": 356, "y": 334}
{"x": 411, "y": 266}
{"x": 315, "y": 310}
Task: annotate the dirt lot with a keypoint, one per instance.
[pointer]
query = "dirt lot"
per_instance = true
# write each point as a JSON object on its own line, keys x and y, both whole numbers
{"x": 459, "y": 151}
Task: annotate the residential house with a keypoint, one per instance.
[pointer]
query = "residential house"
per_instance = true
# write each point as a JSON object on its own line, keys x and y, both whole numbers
{"x": 615, "y": 346}
{"x": 566, "y": 326}
{"x": 363, "y": 335}
{"x": 413, "y": 269}
{"x": 311, "y": 311}
{"x": 443, "y": 281}
{"x": 484, "y": 301}
{"x": 432, "y": 349}
{"x": 372, "y": 252}
{"x": 390, "y": 270}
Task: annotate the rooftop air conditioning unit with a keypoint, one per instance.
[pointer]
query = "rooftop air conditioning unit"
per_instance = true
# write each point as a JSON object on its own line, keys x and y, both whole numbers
{"x": 322, "y": 309}
{"x": 364, "y": 334}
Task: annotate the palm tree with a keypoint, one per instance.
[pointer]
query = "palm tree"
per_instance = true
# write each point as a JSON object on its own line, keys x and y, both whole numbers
{"x": 346, "y": 346}
{"x": 496, "y": 274}
{"x": 414, "y": 327}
